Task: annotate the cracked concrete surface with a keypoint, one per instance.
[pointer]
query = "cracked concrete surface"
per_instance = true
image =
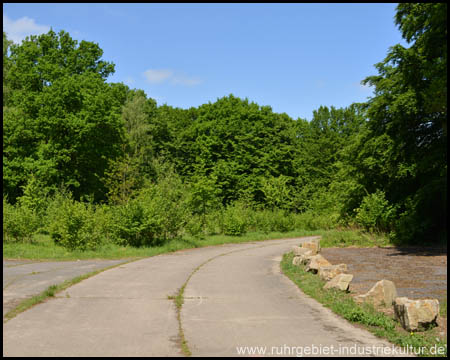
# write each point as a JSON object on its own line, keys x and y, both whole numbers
{"x": 23, "y": 279}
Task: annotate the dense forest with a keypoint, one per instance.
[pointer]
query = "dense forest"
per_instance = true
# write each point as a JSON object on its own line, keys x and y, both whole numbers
{"x": 87, "y": 161}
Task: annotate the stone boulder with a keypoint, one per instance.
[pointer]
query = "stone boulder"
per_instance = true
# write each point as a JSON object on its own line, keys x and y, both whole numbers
{"x": 328, "y": 272}
{"x": 382, "y": 293}
{"x": 297, "y": 250}
{"x": 316, "y": 262}
{"x": 305, "y": 259}
{"x": 340, "y": 281}
{"x": 302, "y": 259}
{"x": 313, "y": 245}
{"x": 416, "y": 314}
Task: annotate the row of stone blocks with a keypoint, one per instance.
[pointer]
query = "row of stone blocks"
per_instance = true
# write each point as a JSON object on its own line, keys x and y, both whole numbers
{"x": 412, "y": 314}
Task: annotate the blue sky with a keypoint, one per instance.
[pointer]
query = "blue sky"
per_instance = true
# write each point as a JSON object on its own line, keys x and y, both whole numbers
{"x": 293, "y": 57}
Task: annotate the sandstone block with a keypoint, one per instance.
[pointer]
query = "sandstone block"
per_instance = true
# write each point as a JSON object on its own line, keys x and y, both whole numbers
{"x": 416, "y": 314}
{"x": 316, "y": 262}
{"x": 301, "y": 251}
{"x": 340, "y": 281}
{"x": 382, "y": 293}
{"x": 296, "y": 260}
{"x": 305, "y": 259}
{"x": 329, "y": 272}
{"x": 313, "y": 245}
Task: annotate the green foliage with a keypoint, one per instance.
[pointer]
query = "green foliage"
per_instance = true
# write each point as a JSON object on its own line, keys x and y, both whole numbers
{"x": 123, "y": 179}
{"x": 202, "y": 197}
{"x": 157, "y": 214}
{"x": 76, "y": 225}
{"x": 409, "y": 111}
{"x": 194, "y": 226}
{"x": 224, "y": 167}
{"x": 235, "y": 219}
{"x": 6, "y": 66}
{"x": 274, "y": 220}
{"x": 34, "y": 196}
{"x": 234, "y": 142}
{"x": 344, "y": 238}
{"x": 20, "y": 222}
{"x": 61, "y": 120}
{"x": 311, "y": 220}
{"x": 214, "y": 221}
{"x": 138, "y": 223}
{"x": 375, "y": 213}
{"x": 276, "y": 192}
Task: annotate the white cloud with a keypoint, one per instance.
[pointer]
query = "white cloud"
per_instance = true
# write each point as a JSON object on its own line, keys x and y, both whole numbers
{"x": 185, "y": 81}
{"x": 17, "y": 30}
{"x": 155, "y": 76}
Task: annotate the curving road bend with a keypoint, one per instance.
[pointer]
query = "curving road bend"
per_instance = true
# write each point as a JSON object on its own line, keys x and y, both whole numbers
{"x": 236, "y": 301}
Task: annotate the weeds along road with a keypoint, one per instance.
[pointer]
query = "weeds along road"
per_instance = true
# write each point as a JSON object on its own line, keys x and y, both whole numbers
{"x": 234, "y": 297}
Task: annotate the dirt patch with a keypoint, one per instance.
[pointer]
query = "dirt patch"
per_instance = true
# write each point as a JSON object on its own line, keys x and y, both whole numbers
{"x": 417, "y": 273}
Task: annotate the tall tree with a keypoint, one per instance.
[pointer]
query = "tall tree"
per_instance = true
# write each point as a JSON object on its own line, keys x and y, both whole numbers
{"x": 6, "y": 65}
{"x": 62, "y": 120}
{"x": 409, "y": 110}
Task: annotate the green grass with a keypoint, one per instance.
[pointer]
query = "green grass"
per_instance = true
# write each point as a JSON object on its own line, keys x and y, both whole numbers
{"x": 43, "y": 247}
{"x": 351, "y": 237}
{"x": 342, "y": 304}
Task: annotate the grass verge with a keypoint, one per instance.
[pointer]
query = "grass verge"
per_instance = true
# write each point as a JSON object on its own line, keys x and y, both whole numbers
{"x": 52, "y": 290}
{"x": 43, "y": 248}
{"x": 365, "y": 315}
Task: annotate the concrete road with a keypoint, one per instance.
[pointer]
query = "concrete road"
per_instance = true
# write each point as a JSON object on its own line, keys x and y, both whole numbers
{"x": 235, "y": 297}
{"x": 23, "y": 279}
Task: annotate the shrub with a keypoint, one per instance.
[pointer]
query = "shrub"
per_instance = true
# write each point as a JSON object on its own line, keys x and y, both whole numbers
{"x": 375, "y": 213}
{"x": 157, "y": 214}
{"x": 137, "y": 223}
{"x": 235, "y": 220}
{"x": 311, "y": 220}
{"x": 20, "y": 222}
{"x": 34, "y": 195}
{"x": 75, "y": 224}
{"x": 194, "y": 226}
{"x": 281, "y": 221}
{"x": 214, "y": 222}
{"x": 274, "y": 220}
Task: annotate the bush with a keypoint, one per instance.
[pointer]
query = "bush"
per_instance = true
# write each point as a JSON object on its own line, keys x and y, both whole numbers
{"x": 156, "y": 215}
{"x": 311, "y": 220}
{"x": 20, "y": 222}
{"x": 76, "y": 225}
{"x": 137, "y": 223}
{"x": 194, "y": 226}
{"x": 214, "y": 222}
{"x": 375, "y": 213}
{"x": 274, "y": 220}
{"x": 281, "y": 221}
{"x": 235, "y": 220}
